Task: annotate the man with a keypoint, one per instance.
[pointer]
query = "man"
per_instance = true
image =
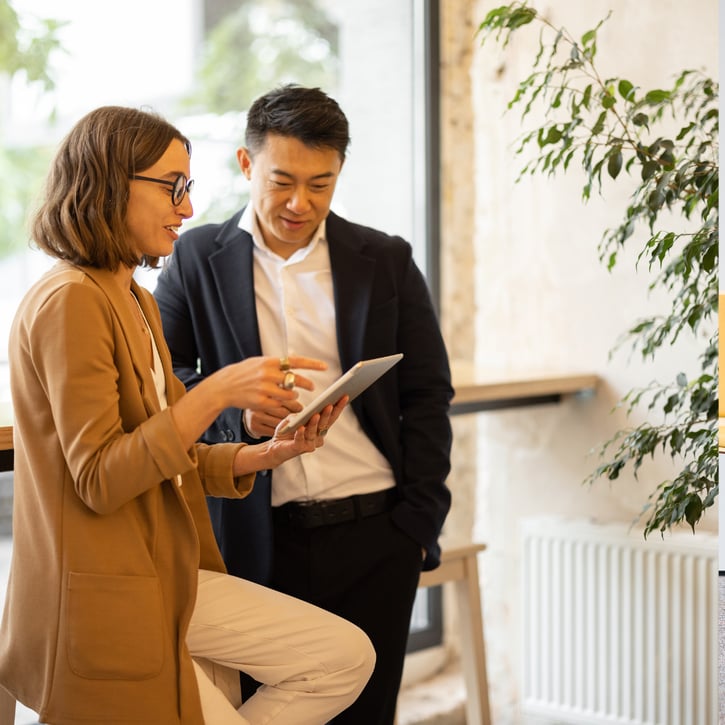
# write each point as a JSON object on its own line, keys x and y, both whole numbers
{"x": 350, "y": 528}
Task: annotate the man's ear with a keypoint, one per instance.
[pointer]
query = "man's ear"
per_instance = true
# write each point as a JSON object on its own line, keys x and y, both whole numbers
{"x": 244, "y": 159}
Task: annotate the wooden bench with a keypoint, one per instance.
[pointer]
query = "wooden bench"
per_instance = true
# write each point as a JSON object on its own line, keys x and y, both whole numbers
{"x": 460, "y": 567}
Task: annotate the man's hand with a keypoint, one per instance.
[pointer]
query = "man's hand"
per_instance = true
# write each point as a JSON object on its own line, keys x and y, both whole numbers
{"x": 262, "y": 423}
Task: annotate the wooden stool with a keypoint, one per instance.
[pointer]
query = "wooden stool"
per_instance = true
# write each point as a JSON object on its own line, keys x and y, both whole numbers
{"x": 7, "y": 707}
{"x": 460, "y": 567}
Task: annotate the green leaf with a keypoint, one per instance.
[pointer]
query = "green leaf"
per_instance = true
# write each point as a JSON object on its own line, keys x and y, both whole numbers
{"x": 588, "y": 37}
{"x": 519, "y": 17}
{"x": 656, "y": 96}
{"x": 554, "y": 135}
{"x": 693, "y": 511}
{"x": 671, "y": 403}
{"x": 608, "y": 100}
{"x": 709, "y": 259}
{"x": 648, "y": 169}
{"x": 685, "y": 130}
{"x": 626, "y": 90}
{"x": 640, "y": 119}
{"x": 614, "y": 162}
{"x": 599, "y": 125}
{"x": 667, "y": 159}
{"x": 494, "y": 16}
{"x": 655, "y": 200}
{"x": 677, "y": 440}
{"x": 587, "y": 96}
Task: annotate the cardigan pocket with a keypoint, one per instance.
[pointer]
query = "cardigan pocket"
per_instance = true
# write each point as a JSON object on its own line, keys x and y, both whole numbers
{"x": 114, "y": 626}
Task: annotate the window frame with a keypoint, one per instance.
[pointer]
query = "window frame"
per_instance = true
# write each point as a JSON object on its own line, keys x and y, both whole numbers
{"x": 427, "y": 201}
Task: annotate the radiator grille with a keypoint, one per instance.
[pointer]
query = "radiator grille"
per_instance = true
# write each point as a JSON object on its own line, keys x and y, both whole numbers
{"x": 616, "y": 628}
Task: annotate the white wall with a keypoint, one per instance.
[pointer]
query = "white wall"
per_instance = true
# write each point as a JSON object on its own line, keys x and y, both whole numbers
{"x": 523, "y": 288}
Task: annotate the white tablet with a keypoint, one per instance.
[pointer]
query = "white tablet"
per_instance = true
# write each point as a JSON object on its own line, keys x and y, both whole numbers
{"x": 352, "y": 383}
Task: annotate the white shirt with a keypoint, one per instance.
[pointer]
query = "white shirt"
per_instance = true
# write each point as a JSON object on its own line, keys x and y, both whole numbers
{"x": 296, "y": 316}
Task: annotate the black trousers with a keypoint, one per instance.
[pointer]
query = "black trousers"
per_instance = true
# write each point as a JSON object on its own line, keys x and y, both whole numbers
{"x": 366, "y": 571}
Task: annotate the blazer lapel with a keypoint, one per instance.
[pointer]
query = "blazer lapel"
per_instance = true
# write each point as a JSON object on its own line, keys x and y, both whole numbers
{"x": 352, "y": 275}
{"x": 136, "y": 340}
{"x": 232, "y": 266}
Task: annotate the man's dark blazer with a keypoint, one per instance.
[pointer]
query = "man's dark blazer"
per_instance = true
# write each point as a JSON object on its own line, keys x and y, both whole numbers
{"x": 383, "y": 306}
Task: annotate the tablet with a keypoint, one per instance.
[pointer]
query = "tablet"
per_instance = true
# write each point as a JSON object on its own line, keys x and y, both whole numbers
{"x": 352, "y": 383}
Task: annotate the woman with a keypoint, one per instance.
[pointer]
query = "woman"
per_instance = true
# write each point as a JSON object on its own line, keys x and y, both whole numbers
{"x": 116, "y": 580}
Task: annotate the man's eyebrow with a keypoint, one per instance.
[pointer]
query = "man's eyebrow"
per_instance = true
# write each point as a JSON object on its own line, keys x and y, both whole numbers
{"x": 286, "y": 174}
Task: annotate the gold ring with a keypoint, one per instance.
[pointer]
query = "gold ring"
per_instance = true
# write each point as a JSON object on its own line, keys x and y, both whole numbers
{"x": 322, "y": 431}
{"x": 284, "y": 364}
{"x": 289, "y": 381}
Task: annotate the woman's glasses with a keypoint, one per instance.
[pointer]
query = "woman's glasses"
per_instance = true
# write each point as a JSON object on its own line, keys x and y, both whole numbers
{"x": 180, "y": 187}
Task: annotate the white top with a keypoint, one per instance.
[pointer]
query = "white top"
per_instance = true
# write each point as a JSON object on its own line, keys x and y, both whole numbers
{"x": 157, "y": 371}
{"x": 296, "y": 316}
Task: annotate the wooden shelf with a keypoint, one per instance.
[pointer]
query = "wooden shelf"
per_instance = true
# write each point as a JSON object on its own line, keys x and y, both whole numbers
{"x": 6, "y": 438}
{"x": 475, "y": 392}
{"x": 481, "y": 391}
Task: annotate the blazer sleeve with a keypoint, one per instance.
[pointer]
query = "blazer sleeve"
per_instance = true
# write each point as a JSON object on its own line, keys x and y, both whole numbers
{"x": 383, "y": 300}
{"x": 193, "y": 333}
{"x": 424, "y": 395}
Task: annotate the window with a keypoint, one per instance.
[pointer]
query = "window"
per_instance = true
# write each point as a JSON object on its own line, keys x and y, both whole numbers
{"x": 376, "y": 74}
{"x": 199, "y": 63}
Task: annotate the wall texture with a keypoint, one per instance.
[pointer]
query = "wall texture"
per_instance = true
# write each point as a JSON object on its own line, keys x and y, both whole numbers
{"x": 523, "y": 289}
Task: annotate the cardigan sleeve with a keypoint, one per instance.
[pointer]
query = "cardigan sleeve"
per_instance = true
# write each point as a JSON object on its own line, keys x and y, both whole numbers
{"x": 215, "y": 469}
{"x": 116, "y": 446}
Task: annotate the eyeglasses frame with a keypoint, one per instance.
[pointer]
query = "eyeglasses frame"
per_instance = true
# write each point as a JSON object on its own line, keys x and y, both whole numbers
{"x": 188, "y": 185}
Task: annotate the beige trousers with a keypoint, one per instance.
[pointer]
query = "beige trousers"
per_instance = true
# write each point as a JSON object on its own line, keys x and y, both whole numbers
{"x": 312, "y": 664}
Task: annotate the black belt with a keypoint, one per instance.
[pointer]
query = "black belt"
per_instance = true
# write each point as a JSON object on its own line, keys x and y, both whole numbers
{"x": 310, "y": 514}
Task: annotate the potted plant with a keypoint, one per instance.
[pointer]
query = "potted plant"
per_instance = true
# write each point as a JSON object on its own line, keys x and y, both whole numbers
{"x": 613, "y": 130}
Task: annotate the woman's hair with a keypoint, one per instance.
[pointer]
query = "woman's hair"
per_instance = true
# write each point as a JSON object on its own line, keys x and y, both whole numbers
{"x": 307, "y": 114}
{"x": 83, "y": 216}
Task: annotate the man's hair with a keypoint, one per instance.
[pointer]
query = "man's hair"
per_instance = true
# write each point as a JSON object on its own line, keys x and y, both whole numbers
{"x": 307, "y": 114}
{"x": 83, "y": 216}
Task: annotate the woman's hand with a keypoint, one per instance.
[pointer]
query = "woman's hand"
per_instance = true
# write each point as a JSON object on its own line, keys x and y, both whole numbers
{"x": 261, "y": 419}
{"x": 282, "y": 447}
{"x": 256, "y": 382}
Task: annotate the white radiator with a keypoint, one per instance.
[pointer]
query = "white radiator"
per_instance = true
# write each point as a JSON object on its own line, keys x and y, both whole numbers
{"x": 616, "y": 628}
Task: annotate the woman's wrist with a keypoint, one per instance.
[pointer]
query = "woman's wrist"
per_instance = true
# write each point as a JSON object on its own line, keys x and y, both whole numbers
{"x": 251, "y": 458}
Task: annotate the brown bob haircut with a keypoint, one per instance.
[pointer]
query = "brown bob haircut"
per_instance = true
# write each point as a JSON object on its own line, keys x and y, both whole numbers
{"x": 83, "y": 216}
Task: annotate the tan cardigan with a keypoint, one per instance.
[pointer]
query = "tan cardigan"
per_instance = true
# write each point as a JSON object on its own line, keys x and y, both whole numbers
{"x": 106, "y": 546}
